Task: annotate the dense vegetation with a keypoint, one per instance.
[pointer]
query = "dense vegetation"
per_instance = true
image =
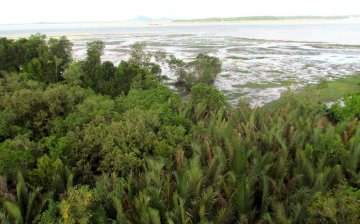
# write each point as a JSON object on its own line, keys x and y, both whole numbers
{"x": 91, "y": 142}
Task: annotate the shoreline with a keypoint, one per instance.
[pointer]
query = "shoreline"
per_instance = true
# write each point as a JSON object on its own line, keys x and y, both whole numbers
{"x": 179, "y": 22}
{"x": 78, "y": 31}
{"x": 257, "y": 21}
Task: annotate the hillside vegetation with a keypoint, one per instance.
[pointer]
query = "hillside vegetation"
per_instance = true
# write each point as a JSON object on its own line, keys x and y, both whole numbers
{"x": 93, "y": 142}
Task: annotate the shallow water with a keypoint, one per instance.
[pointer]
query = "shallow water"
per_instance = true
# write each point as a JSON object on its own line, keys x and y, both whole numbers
{"x": 260, "y": 60}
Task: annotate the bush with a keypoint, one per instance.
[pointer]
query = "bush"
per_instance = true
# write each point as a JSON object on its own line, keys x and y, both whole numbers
{"x": 17, "y": 153}
{"x": 350, "y": 109}
{"x": 45, "y": 172}
{"x": 78, "y": 206}
{"x": 338, "y": 206}
{"x": 207, "y": 96}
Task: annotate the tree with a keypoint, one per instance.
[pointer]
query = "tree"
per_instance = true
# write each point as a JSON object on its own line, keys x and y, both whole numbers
{"x": 45, "y": 61}
{"x": 94, "y": 51}
{"x": 5, "y": 55}
{"x": 61, "y": 51}
{"x": 58, "y": 62}
{"x": 129, "y": 74}
{"x": 140, "y": 57}
{"x": 33, "y": 46}
{"x": 17, "y": 153}
{"x": 207, "y": 96}
{"x": 73, "y": 74}
{"x": 108, "y": 71}
{"x": 203, "y": 69}
{"x": 92, "y": 64}
{"x": 61, "y": 48}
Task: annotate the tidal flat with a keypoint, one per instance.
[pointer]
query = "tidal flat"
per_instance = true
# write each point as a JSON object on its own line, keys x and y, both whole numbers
{"x": 260, "y": 60}
{"x": 258, "y": 69}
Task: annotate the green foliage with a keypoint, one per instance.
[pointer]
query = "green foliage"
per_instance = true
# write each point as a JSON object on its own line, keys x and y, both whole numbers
{"x": 61, "y": 50}
{"x": 328, "y": 144}
{"x": 46, "y": 171}
{"x": 50, "y": 216}
{"x": 17, "y": 153}
{"x": 338, "y": 206}
{"x": 128, "y": 74}
{"x": 126, "y": 143}
{"x": 92, "y": 64}
{"x": 43, "y": 60}
{"x": 74, "y": 74}
{"x": 78, "y": 206}
{"x": 350, "y": 110}
{"x": 205, "y": 99}
{"x": 94, "y": 51}
{"x": 29, "y": 111}
{"x": 138, "y": 153}
{"x": 208, "y": 96}
{"x": 29, "y": 204}
{"x": 140, "y": 57}
{"x": 203, "y": 69}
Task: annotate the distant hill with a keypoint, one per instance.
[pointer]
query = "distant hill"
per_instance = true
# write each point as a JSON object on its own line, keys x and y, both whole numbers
{"x": 261, "y": 18}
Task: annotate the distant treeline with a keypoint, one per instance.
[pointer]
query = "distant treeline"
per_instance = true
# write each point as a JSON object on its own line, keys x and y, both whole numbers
{"x": 261, "y": 18}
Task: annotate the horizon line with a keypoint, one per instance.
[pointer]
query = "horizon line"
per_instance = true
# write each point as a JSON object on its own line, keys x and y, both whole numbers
{"x": 151, "y": 19}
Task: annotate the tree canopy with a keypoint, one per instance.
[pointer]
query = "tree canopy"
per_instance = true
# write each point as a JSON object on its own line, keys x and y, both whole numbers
{"x": 93, "y": 142}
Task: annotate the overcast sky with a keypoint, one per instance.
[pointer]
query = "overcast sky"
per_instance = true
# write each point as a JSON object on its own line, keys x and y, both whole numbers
{"x": 27, "y": 11}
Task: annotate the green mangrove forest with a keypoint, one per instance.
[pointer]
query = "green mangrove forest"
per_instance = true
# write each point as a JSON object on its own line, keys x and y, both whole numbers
{"x": 87, "y": 141}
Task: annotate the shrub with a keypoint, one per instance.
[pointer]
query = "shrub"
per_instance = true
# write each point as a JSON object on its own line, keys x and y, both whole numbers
{"x": 350, "y": 109}
{"x": 339, "y": 206}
